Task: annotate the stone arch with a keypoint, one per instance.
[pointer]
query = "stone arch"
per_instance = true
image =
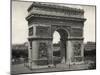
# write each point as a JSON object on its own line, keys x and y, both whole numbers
{"x": 63, "y": 29}
{"x": 63, "y": 43}
{"x": 45, "y": 22}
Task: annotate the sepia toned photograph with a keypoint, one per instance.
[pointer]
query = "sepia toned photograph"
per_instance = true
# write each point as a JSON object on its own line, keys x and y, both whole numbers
{"x": 52, "y": 37}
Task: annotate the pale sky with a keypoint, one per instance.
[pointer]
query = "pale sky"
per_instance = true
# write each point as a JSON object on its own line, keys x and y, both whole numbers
{"x": 20, "y": 26}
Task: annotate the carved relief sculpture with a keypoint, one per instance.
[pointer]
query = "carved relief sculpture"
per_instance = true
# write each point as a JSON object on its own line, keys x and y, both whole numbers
{"x": 77, "y": 49}
{"x": 43, "y": 50}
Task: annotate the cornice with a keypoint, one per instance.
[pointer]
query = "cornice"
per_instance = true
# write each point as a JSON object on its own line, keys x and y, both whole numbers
{"x": 33, "y": 15}
{"x": 75, "y": 38}
{"x": 40, "y": 38}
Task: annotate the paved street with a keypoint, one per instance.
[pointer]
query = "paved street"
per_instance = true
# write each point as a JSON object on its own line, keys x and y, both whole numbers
{"x": 20, "y": 68}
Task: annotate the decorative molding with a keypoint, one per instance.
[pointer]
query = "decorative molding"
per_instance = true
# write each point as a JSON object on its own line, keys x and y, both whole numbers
{"x": 75, "y": 38}
{"x": 54, "y": 6}
{"x": 54, "y": 17}
{"x": 40, "y": 38}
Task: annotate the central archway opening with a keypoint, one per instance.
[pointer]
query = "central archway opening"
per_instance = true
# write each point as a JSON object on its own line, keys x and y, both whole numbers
{"x": 60, "y": 45}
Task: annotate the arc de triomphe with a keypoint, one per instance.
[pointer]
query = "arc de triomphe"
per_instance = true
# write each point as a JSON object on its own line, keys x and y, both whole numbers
{"x": 43, "y": 19}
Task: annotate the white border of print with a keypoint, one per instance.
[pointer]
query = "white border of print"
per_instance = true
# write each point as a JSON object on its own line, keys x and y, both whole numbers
{"x": 5, "y": 37}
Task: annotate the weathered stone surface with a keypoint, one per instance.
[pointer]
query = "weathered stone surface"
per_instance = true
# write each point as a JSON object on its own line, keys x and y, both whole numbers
{"x": 43, "y": 31}
{"x": 45, "y": 19}
{"x": 77, "y": 32}
{"x": 31, "y": 31}
{"x": 57, "y": 10}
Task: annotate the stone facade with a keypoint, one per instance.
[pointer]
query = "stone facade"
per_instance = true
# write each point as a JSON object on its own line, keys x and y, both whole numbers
{"x": 43, "y": 20}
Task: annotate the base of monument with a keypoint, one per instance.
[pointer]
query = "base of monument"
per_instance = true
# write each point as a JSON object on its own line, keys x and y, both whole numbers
{"x": 33, "y": 66}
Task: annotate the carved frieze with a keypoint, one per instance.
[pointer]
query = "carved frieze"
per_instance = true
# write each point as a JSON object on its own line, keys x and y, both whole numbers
{"x": 57, "y": 10}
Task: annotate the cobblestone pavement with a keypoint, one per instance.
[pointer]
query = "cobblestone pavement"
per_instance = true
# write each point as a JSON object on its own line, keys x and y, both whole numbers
{"x": 21, "y": 69}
